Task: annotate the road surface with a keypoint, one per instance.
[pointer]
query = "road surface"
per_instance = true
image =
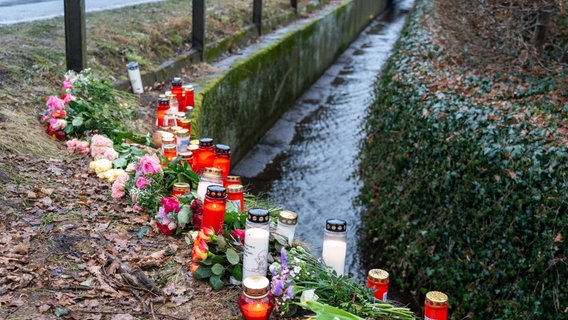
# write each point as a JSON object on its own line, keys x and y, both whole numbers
{"x": 16, "y": 11}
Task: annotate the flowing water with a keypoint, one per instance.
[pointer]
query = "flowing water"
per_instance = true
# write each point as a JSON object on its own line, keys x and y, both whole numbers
{"x": 307, "y": 162}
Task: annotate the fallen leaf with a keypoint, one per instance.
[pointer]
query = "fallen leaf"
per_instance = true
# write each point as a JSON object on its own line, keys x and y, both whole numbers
{"x": 44, "y": 307}
{"x": 178, "y": 301}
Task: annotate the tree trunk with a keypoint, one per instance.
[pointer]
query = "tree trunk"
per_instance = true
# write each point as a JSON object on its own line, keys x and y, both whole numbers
{"x": 542, "y": 25}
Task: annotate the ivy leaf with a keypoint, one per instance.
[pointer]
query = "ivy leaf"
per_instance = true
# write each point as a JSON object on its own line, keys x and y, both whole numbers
{"x": 202, "y": 272}
{"x": 237, "y": 272}
{"x": 218, "y": 269}
{"x": 60, "y": 312}
{"x": 120, "y": 163}
{"x": 215, "y": 282}
{"x": 143, "y": 231}
{"x": 232, "y": 256}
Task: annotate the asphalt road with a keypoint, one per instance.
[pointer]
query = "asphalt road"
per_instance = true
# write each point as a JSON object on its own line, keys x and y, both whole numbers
{"x": 16, "y": 11}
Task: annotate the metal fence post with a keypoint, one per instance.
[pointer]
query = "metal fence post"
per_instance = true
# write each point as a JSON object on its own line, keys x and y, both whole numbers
{"x": 257, "y": 15}
{"x": 294, "y": 4}
{"x": 75, "y": 35}
{"x": 198, "y": 27}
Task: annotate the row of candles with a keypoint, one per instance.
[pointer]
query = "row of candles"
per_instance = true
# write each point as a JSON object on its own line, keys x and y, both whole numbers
{"x": 216, "y": 187}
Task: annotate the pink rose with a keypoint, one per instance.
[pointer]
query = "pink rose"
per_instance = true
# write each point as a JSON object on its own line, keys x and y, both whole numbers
{"x": 54, "y": 103}
{"x": 60, "y": 114}
{"x": 150, "y": 164}
{"x": 71, "y": 145}
{"x": 170, "y": 204}
{"x": 83, "y": 147}
{"x": 110, "y": 154}
{"x": 118, "y": 186}
{"x": 142, "y": 182}
{"x": 67, "y": 85}
{"x": 101, "y": 141}
{"x": 66, "y": 97}
{"x": 239, "y": 234}
{"x": 58, "y": 124}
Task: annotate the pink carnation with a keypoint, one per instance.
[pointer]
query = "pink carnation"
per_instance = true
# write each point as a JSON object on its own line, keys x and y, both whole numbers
{"x": 83, "y": 147}
{"x": 150, "y": 164}
{"x": 98, "y": 152}
{"x": 54, "y": 103}
{"x": 58, "y": 124}
{"x": 67, "y": 85}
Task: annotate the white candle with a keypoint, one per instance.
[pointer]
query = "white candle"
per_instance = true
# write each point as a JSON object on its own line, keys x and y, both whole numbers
{"x": 255, "y": 257}
{"x": 135, "y": 78}
{"x": 333, "y": 254}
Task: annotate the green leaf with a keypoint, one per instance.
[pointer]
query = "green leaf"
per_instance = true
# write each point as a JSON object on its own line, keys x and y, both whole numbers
{"x": 60, "y": 312}
{"x": 216, "y": 282}
{"x": 143, "y": 231}
{"x": 218, "y": 269}
{"x": 237, "y": 272}
{"x": 120, "y": 163}
{"x": 232, "y": 256}
{"x": 77, "y": 121}
{"x": 202, "y": 272}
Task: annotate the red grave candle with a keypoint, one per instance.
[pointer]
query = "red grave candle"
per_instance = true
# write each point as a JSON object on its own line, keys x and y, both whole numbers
{"x": 189, "y": 96}
{"x": 378, "y": 279}
{"x": 222, "y": 159}
{"x": 255, "y": 301}
{"x": 163, "y": 107}
{"x": 230, "y": 180}
{"x": 178, "y": 91}
{"x": 436, "y": 306}
{"x": 180, "y": 189}
{"x": 205, "y": 155}
{"x": 214, "y": 208}
{"x": 235, "y": 193}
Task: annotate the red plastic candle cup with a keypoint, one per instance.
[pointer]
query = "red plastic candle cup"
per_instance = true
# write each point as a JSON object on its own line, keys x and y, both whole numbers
{"x": 222, "y": 159}
{"x": 230, "y": 180}
{"x": 170, "y": 152}
{"x": 180, "y": 189}
{"x": 235, "y": 193}
{"x": 214, "y": 208}
{"x": 178, "y": 91}
{"x": 189, "y": 96}
{"x": 163, "y": 107}
{"x": 436, "y": 306}
{"x": 255, "y": 301}
{"x": 205, "y": 155}
{"x": 378, "y": 279}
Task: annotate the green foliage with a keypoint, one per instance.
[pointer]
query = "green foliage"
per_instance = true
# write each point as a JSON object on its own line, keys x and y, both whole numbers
{"x": 97, "y": 108}
{"x": 463, "y": 197}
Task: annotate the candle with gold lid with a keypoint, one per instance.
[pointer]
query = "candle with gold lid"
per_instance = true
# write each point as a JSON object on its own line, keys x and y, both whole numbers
{"x": 174, "y": 102}
{"x": 436, "y": 306}
{"x": 186, "y": 124}
{"x": 229, "y": 180}
{"x": 205, "y": 155}
{"x": 186, "y": 156}
{"x": 255, "y": 301}
{"x": 287, "y": 221}
{"x": 189, "y": 96}
{"x": 235, "y": 193}
{"x": 378, "y": 279}
{"x": 182, "y": 139}
{"x": 180, "y": 189}
{"x": 222, "y": 159}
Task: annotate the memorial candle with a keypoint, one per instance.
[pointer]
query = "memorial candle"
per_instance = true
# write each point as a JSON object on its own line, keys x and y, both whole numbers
{"x": 436, "y": 306}
{"x": 335, "y": 245}
{"x": 255, "y": 256}
{"x": 255, "y": 301}
{"x": 214, "y": 208}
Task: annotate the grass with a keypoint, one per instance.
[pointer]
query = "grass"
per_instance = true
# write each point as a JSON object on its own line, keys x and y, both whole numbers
{"x": 32, "y": 56}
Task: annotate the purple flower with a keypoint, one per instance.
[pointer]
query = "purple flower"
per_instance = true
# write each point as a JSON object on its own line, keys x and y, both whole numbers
{"x": 290, "y": 293}
{"x": 164, "y": 216}
{"x": 278, "y": 288}
{"x": 272, "y": 269}
{"x": 283, "y": 258}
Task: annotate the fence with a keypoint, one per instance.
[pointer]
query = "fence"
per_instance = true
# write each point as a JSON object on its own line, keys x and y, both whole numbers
{"x": 76, "y": 41}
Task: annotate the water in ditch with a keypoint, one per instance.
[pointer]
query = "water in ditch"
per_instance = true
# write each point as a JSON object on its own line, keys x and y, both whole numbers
{"x": 307, "y": 162}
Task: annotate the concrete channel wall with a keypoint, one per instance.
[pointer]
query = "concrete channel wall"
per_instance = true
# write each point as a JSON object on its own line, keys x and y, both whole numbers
{"x": 238, "y": 107}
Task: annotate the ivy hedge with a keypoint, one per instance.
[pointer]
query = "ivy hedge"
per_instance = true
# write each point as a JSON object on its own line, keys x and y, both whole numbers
{"x": 462, "y": 197}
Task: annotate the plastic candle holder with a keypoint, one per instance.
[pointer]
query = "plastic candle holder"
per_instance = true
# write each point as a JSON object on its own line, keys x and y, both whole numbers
{"x": 436, "y": 306}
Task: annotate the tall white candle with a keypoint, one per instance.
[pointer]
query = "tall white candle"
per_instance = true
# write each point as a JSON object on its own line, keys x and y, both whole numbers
{"x": 135, "y": 78}
{"x": 333, "y": 255}
{"x": 255, "y": 257}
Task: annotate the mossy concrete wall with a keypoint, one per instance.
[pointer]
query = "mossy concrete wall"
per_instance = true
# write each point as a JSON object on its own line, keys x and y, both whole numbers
{"x": 239, "y": 106}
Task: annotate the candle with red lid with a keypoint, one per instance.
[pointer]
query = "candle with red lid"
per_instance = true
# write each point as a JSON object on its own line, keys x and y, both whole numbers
{"x": 378, "y": 279}
{"x": 214, "y": 208}
{"x": 436, "y": 306}
{"x": 256, "y": 302}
